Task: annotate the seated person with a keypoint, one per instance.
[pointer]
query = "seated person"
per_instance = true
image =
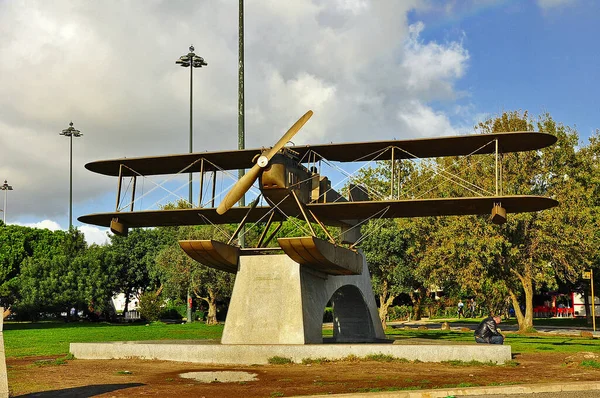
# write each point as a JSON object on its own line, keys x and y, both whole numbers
{"x": 487, "y": 332}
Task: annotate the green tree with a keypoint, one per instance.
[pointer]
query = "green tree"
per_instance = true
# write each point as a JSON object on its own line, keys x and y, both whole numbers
{"x": 179, "y": 273}
{"x": 98, "y": 278}
{"x": 49, "y": 280}
{"x": 393, "y": 248}
{"x": 468, "y": 254}
{"x": 17, "y": 244}
{"x": 133, "y": 257}
{"x": 385, "y": 247}
{"x": 538, "y": 247}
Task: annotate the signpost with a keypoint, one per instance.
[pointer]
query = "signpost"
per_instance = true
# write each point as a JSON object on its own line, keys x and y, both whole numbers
{"x": 590, "y": 275}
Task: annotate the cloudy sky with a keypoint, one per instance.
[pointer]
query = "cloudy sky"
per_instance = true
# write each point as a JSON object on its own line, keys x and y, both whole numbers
{"x": 379, "y": 69}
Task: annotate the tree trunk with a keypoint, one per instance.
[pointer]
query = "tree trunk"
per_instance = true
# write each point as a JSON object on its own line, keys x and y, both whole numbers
{"x": 211, "y": 318}
{"x": 126, "y": 307}
{"x": 384, "y": 305}
{"x": 417, "y": 301}
{"x": 385, "y": 300}
{"x": 525, "y": 321}
{"x": 528, "y": 321}
{"x": 516, "y": 306}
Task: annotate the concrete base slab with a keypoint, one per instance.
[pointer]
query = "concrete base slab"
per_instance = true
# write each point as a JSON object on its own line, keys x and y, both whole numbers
{"x": 278, "y": 301}
{"x": 3, "y": 373}
{"x": 249, "y": 354}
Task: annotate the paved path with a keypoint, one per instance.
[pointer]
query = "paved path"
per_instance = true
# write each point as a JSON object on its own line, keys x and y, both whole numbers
{"x": 559, "y": 390}
{"x": 437, "y": 324}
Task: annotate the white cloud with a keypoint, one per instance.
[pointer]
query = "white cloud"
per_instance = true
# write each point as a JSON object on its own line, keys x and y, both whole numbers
{"x": 551, "y": 4}
{"x": 92, "y": 234}
{"x": 433, "y": 67}
{"x": 418, "y": 117}
{"x": 95, "y": 235}
{"x": 45, "y": 224}
{"x": 110, "y": 67}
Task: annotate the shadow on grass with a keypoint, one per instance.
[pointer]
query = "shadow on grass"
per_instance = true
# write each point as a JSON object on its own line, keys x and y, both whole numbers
{"x": 85, "y": 391}
{"x": 431, "y": 335}
{"x": 61, "y": 325}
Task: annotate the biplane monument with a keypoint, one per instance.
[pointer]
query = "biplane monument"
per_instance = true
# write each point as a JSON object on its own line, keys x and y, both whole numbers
{"x": 280, "y": 298}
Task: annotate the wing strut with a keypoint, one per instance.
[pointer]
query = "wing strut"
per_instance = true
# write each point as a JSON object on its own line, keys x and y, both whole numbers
{"x": 303, "y": 210}
{"x": 243, "y": 222}
{"x": 264, "y": 232}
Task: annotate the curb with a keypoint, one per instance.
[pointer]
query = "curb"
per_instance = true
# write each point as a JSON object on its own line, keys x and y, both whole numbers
{"x": 491, "y": 390}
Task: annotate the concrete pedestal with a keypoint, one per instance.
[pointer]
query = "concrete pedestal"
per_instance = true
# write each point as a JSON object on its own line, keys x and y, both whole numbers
{"x": 277, "y": 301}
{"x": 3, "y": 374}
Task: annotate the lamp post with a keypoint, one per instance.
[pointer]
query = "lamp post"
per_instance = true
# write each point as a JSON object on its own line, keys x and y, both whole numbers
{"x": 191, "y": 60}
{"x": 241, "y": 119}
{"x": 71, "y": 132}
{"x": 5, "y": 187}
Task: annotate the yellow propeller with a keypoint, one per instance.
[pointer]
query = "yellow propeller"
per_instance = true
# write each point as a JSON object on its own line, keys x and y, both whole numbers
{"x": 243, "y": 184}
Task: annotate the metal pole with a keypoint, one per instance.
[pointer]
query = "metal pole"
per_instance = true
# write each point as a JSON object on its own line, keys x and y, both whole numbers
{"x": 201, "y": 183}
{"x": 4, "y": 213}
{"x": 593, "y": 300}
{"x": 191, "y": 135}
{"x": 241, "y": 124}
{"x": 70, "y": 132}
{"x": 392, "y": 179}
{"x": 119, "y": 187}
{"x": 133, "y": 192}
{"x": 70, "y": 181}
{"x": 496, "y": 167}
{"x": 189, "y": 295}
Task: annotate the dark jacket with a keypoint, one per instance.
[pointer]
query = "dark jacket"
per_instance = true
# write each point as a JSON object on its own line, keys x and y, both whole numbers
{"x": 486, "y": 329}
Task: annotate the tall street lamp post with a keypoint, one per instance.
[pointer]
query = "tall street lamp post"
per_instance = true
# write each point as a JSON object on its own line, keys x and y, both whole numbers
{"x": 192, "y": 61}
{"x": 71, "y": 132}
{"x": 241, "y": 123}
{"x": 5, "y": 187}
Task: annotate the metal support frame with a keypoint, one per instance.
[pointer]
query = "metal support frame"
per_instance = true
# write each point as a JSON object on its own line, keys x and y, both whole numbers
{"x": 322, "y": 227}
{"x": 399, "y": 179}
{"x": 497, "y": 190}
{"x": 301, "y": 206}
{"x": 392, "y": 179}
{"x": 133, "y": 192}
{"x": 501, "y": 175}
{"x": 264, "y": 232}
{"x": 119, "y": 187}
{"x": 243, "y": 222}
{"x": 303, "y": 210}
{"x": 214, "y": 188}
{"x": 201, "y": 182}
{"x": 266, "y": 242}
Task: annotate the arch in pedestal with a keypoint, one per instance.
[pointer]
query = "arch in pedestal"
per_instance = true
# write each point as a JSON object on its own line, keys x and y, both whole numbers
{"x": 351, "y": 316}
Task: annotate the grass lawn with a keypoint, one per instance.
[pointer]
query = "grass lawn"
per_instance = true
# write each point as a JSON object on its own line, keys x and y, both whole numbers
{"x": 53, "y": 338}
{"x": 535, "y": 342}
{"x": 557, "y": 322}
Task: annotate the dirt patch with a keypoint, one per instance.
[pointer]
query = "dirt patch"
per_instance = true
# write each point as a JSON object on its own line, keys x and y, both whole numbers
{"x": 121, "y": 378}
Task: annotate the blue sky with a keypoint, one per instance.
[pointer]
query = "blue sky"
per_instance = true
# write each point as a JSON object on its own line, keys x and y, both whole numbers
{"x": 368, "y": 69}
{"x": 525, "y": 56}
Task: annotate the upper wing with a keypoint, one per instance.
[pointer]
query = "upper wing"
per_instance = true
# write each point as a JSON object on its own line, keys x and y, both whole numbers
{"x": 173, "y": 164}
{"x": 462, "y": 145}
{"x": 345, "y": 152}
